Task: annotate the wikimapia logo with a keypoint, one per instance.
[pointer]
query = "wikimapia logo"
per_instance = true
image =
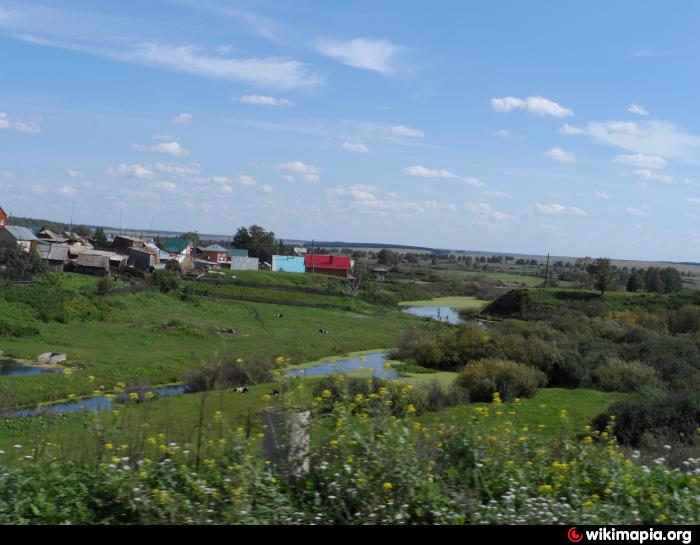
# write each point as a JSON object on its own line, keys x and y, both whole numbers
{"x": 636, "y": 536}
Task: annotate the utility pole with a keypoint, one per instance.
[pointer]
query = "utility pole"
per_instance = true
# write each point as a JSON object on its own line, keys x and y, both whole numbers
{"x": 546, "y": 272}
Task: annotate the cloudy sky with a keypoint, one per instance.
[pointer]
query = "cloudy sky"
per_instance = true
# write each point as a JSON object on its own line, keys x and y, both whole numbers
{"x": 511, "y": 126}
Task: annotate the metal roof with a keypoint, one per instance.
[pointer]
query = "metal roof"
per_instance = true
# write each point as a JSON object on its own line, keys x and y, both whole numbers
{"x": 322, "y": 261}
{"x": 175, "y": 245}
{"x": 20, "y": 233}
{"x": 216, "y": 248}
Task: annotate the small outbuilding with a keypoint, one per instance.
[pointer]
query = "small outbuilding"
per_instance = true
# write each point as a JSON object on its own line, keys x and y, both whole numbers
{"x": 240, "y": 263}
{"x": 288, "y": 263}
{"x": 13, "y": 236}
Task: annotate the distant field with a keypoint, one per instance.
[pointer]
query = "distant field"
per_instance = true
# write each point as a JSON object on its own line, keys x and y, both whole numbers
{"x": 452, "y": 302}
{"x": 508, "y": 278}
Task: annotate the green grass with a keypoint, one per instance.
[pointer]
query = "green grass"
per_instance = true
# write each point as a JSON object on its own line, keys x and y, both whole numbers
{"x": 508, "y": 278}
{"x": 544, "y": 409}
{"x": 177, "y": 417}
{"x": 528, "y": 303}
{"x": 453, "y": 302}
{"x": 129, "y": 343}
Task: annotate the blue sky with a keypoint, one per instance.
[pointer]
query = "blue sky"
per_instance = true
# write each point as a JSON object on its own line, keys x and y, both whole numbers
{"x": 531, "y": 127}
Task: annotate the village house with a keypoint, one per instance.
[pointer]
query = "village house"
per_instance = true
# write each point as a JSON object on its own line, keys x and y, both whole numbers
{"x": 50, "y": 236}
{"x": 238, "y": 252}
{"x": 215, "y": 254}
{"x": 179, "y": 249}
{"x": 55, "y": 255}
{"x": 4, "y": 218}
{"x": 123, "y": 243}
{"x": 331, "y": 265}
{"x": 12, "y": 236}
{"x": 143, "y": 258}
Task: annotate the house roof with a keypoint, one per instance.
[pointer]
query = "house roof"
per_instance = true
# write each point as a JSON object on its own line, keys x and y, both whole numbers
{"x": 53, "y": 252}
{"x": 216, "y": 248}
{"x": 238, "y": 252}
{"x": 20, "y": 233}
{"x": 175, "y": 245}
{"x": 320, "y": 261}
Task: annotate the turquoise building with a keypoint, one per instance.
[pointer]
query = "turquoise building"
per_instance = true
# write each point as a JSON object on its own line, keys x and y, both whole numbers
{"x": 288, "y": 263}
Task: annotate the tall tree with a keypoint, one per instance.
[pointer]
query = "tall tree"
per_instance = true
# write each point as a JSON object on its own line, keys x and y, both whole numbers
{"x": 101, "y": 237}
{"x": 259, "y": 242}
{"x": 635, "y": 282}
{"x": 602, "y": 273}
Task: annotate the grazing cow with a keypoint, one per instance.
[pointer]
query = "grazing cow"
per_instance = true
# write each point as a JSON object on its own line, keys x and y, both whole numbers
{"x": 324, "y": 331}
{"x": 241, "y": 390}
{"x": 276, "y": 393}
{"x": 278, "y": 315}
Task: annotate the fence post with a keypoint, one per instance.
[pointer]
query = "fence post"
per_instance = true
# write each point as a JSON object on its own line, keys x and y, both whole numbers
{"x": 286, "y": 440}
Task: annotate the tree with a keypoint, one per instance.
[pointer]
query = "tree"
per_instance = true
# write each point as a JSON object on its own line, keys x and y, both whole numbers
{"x": 602, "y": 273}
{"x": 635, "y": 282}
{"x": 671, "y": 280}
{"x": 259, "y": 242}
{"x": 16, "y": 264}
{"x": 101, "y": 237}
{"x": 387, "y": 257}
{"x": 653, "y": 281}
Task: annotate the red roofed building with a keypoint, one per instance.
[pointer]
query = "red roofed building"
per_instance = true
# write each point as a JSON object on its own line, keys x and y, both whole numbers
{"x": 3, "y": 218}
{"x": 332, "y": 265}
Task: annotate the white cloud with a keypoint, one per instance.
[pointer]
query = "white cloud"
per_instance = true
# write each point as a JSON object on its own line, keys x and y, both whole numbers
{"x": 428, "y": 173}
{"x": 647, "y": 174}
{"x": 694, "y": 200}
{"x": 570, "y": 129}
{"x": 28, "y": 127}
{"x": 75, "y": 173}
{"x": 225, "y": 188}
{"x": 656, "y": 138}
{"x": 561, "y": 156}
{"x": 143, "y": 172}
{"x": 358, "y": 148}
{"x": 402, "y": 130}
{"x": 496, "y": 194}
{"x": 424, "y": 172}
{"x": 166, "y": 186}
{"x": 246, "y": 181}
{"x": 554, "y": 209}
{"x": 637, "y": 109}
{"x": 178, "y": 170}
{"x": 273, "y": 72}
{"x": 266, "y": 189}
{"x": 168, "y": 148}
{"x": 4, "y": 121}
{"x": 67, "y": 191}
{"x": 602, "y": 195}
{"x": 537, "y": 105}
{"x": 260, "y": 100}
{"x": 182, "y": 119}
{"x": 307, "y": 172}
{"x": 641, "y": 160}
{"x": 502, "y": 133}
{"x": 640, "y": 212}
{"x": 369, "y": 54}
{"x": 484, "y": 209}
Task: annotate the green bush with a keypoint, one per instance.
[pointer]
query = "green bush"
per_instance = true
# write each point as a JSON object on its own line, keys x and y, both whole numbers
{"x": 626, "y": 376}
{"x": 510, "y": 379}
{"x": 166, "y": 281}
{"x": 674, "y": 416}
